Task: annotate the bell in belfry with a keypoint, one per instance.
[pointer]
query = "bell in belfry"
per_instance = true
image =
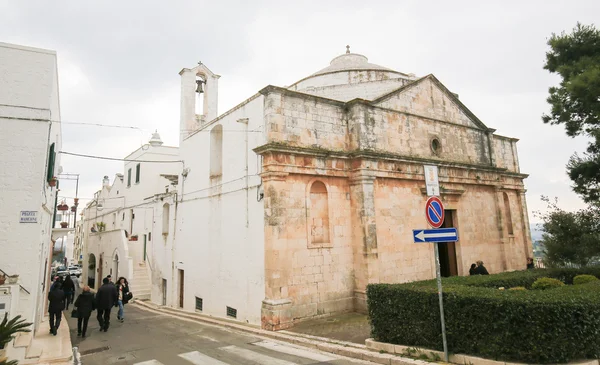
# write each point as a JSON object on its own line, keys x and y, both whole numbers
{"x": 199, "y": 86}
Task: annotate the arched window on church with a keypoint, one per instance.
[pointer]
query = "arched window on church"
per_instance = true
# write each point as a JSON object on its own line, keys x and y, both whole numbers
{"x": 508, "y": 215}
{"x": 216, "y": 151}
{"x": 318, "y": 214}
{"x": 165, "y": 219}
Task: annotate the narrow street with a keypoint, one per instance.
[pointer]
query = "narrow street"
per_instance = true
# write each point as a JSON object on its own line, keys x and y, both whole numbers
{"x": 147, "y": 338}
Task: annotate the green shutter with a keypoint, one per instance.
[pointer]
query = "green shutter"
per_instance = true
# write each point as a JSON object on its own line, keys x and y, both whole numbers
{"x": 51, "y": 162}
{"x": 137, "y": 173}
{"x": 129, "y": 178}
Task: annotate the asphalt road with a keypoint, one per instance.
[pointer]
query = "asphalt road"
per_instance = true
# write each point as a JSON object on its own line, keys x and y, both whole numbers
{"x": 148, "y": 338}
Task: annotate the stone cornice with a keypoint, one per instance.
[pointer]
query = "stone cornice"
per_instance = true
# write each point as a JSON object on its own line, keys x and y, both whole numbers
{"x": 273, "y": 176}
{"x": 280, "y": 90}
{"x": 274, "y": 147}
{"x": 444, "y": 191}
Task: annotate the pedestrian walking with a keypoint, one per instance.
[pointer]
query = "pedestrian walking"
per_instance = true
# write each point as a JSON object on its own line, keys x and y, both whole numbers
{"x": 106, "y": 298}
{"x": 56, "y": 283}
{"x": 85, "y": 305}
{"x": 123, "y": 290}
{"x": 56, "y": 299}
{"x": 69, "y": 288}
{"x": 480, "y": 269}
{"x": 530, "y": 264}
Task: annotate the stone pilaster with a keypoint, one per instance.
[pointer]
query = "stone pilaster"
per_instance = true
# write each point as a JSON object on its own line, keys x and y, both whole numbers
{"x": 525, "y": 219}
{"x": 364, "y": 241}
{"x": 499, "y": 199}
{"x": 276, "y": 308}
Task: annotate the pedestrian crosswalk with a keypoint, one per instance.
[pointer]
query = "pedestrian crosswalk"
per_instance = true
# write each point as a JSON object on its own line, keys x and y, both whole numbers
{"x": 261, "y": 352}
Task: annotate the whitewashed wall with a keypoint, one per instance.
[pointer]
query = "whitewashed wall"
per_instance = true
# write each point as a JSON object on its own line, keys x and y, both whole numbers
{"x": 121, "y": 202}
{"x": 219, "y": 238}
{"x": 160, "y": 250}
{"x": 111, "y": 245}
{"x": 29, "y": 108}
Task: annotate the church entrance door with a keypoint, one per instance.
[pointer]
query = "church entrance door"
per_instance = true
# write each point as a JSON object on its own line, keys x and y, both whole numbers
{"x": 448, "y": 265}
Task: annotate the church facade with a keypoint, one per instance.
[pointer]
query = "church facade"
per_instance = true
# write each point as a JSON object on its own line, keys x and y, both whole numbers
{"x": 317, "y": 194}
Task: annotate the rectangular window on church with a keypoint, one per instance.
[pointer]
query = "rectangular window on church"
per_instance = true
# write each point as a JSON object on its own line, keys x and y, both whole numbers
{"x": 137, "y": 174}
{"x": 129, "y": 178}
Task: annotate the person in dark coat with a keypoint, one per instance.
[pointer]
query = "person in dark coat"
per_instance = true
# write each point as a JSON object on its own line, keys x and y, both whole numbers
{"x": 69, "y": 288}
{"x": 530, "y": 264}
{"x": 106, "y": 298}
{"x": 85, "y": 304}
{"x": 480, "y": 269}
{"x": 56, "y": 299}
{"x": 56, "y": 283}
{"x": 473, "y": 270}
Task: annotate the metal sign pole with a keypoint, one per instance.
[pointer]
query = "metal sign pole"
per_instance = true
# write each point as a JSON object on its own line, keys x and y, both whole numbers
{"x": 441, "y": 298}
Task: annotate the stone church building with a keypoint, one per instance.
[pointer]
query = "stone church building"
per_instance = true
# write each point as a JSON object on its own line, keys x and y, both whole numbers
{"x": 297, "y": 198}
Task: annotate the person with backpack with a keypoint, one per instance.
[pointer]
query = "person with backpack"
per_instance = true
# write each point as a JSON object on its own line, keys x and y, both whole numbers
{"x": 123, "y": 289}
{"x": 85, "y": 304}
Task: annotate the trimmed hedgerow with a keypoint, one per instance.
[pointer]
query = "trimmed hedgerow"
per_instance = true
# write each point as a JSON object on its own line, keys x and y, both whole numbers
{"x": 533, "y": 326}
{"x": 584, "y": 279}
{"x": 546, "y": 283}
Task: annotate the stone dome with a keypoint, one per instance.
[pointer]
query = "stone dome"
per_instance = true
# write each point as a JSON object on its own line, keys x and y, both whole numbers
{"x": 347, "y": 69}
{"x": 350, "y": 62}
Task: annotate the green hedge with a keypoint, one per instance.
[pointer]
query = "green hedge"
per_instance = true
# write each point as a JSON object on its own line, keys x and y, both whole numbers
{"x": 584, "y": 279}
{"x": 546, "y": 326}
{"x": 546, "y": 284}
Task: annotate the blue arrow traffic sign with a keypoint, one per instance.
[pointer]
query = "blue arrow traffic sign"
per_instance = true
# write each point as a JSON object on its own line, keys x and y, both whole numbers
{"x": 435, "y": 235}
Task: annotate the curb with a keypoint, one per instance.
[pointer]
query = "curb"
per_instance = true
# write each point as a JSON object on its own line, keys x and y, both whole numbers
{"x": 341, "y": 348}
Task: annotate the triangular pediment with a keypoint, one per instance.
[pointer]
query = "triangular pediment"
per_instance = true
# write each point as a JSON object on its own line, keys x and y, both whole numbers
{"x": 429, "y": 98}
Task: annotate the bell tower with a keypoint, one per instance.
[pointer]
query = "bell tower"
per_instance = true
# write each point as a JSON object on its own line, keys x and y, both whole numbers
{"x": 199, "y": 98}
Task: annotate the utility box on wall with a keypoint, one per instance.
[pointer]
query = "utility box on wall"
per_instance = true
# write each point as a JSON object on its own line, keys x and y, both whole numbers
{"x": 5, "y": 300}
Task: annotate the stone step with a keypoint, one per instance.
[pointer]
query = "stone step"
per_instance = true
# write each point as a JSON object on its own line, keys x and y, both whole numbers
{"x": 33, "y": 352}
{"x": 23, "y": 340}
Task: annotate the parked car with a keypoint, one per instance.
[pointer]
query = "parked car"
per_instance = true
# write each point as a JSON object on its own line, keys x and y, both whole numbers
{"x": 62, "y": 271}
{"x": 74, "y": 271}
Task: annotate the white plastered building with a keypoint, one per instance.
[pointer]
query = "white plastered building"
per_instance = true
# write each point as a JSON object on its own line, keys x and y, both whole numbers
{"x": 117, "y": 232}
{"x": 30, "y": 139}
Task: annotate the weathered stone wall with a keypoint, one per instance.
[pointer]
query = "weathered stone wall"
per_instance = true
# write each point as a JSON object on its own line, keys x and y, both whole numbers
{"x": 428, "y": 98}
{"x": 316, "y": 275}
{"x": 412, "y": 136}
{"x": 345, "y": 78}
{"x": 370, "y": 157}
{"x": 303, "y": 121}
{"x": 505, "y": 151}
{"x": 365, "y": 90}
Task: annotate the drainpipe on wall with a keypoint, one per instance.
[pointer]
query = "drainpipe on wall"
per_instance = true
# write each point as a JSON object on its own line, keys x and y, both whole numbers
{"x": 55, "y": 204}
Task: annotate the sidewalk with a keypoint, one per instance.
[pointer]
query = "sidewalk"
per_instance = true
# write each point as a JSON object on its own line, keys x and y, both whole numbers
{"x": 47, "y": 349}
{"x": 334, "y": 346}
{"x": 348, "y": 327}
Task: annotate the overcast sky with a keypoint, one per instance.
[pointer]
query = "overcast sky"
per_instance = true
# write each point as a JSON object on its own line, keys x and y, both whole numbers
{"x": 119, "y": 61}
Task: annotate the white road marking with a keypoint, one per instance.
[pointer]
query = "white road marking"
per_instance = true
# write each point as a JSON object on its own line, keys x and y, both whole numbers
{"x": 208, "y": 338}
{"x": 255, "y": 356}
{"x": 151, "y": 362}
{"x": 197, "y": 358}
{"x": 291, "y": 350}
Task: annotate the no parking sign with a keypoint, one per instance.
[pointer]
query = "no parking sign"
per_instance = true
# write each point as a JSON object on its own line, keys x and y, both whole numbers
{"x": 434, "y": 212}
